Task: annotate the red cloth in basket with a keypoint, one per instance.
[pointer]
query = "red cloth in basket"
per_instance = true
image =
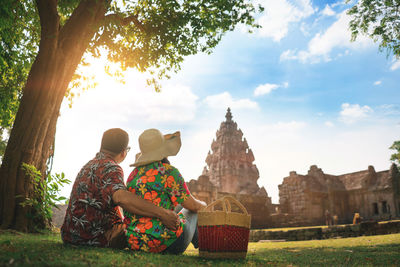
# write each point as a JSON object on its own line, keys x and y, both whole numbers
{"x": 223, "y": 238}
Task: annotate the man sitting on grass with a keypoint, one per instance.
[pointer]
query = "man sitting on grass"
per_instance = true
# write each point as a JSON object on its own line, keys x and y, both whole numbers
{"x": 93, "y": 217}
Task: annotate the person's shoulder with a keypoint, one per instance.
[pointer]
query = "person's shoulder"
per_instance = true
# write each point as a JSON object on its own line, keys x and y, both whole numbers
{"x": 110, "y": 166}
{"x": 91, "y": 165}
{"x": 172, "y": 170}
{"x": 169, "y": 167}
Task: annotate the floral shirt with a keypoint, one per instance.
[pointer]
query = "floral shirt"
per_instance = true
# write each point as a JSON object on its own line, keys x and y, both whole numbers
{"x": 91, "y": 211}
{"x": 163, "y": 185}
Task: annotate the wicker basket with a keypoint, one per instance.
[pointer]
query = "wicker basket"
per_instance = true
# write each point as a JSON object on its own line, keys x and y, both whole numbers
{"x": 223, "y": 234}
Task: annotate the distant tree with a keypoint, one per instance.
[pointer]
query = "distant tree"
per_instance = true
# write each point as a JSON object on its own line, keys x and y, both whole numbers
{"x": 378, "y": 19}
{"x": 149, "y": 35}
{"x": 395, "y": 157}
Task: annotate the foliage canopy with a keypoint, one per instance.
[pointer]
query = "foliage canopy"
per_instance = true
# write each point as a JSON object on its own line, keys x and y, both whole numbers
{"x": 380, "y": 20}
{"x": 152, "y": 35}
{"x": 149, "y": 35}
{"x": 19, "y": 39}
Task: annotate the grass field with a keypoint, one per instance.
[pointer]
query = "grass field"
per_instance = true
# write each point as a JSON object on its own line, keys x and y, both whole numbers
{"x": 18, "y": 249}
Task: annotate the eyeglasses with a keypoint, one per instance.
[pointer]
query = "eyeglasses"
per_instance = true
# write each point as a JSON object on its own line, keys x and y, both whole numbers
{"x": 128, "y": 149}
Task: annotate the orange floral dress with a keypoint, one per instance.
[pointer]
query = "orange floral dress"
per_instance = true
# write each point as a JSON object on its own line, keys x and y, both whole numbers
{"x": 163, "y": 185}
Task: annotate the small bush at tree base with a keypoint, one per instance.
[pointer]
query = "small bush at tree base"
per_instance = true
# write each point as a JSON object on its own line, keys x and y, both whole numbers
{"x": 45, "y": 195}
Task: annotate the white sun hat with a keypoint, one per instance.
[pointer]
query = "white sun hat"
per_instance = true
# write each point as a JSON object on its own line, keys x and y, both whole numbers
{"x": 155, "y": 146}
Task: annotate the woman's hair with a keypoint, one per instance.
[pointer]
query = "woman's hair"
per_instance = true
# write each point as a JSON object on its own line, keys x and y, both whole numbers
{"x": 165, "y": 160}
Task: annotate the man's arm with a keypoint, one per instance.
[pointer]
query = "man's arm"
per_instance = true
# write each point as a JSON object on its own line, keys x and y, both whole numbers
{"x": 137, "y": 205}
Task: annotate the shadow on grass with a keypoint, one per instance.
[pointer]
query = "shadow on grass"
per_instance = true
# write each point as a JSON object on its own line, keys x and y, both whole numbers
{"x": 379, "y": 255}
{"x": 47, "y": 250}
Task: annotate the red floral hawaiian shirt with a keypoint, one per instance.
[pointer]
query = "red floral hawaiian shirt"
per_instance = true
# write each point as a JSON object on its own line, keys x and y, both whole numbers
{"x": 91, "y": 211}
{"x": 163, "y": 185}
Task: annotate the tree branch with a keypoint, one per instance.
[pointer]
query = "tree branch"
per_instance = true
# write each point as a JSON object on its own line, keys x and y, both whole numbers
{"x": 49, "y": 22}
{"x": 126, "y": 20}
{"x": 83, "y": 23}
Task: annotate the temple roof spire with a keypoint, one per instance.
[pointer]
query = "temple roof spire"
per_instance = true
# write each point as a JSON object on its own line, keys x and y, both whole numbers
{"x": 228, "y": 115}
{"x": 230, "y": 161}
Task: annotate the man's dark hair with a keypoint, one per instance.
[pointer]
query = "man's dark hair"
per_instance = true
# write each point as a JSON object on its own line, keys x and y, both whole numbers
{"x": 114, "y": 140}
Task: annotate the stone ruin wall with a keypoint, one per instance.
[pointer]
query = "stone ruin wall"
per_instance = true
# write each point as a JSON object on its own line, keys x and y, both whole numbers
{"x": 291, "y": 195}
{"x": 363, "y": 202}
{"x": 298, "y": 204}
{"x": 258, "y": 206}
{"x": 305, "y": 198}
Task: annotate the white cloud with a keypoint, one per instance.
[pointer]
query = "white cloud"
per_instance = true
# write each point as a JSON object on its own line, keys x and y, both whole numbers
{"x": 279, "y": 14}
{"x": 225, "y": 100}
{"x": 328, "y": 11}
{"x": 289, "y": 55}
{"x": 133, "y": 100}
{"x": 342, "y": 3}
{"x": 352, "y": 113}
{"x": 395, "y": 65}
{"x": 329, "y": 124}
{"x": 175, "y": 103}
{"x": 378, "y": 83}
{"x": 267, "y": 88}
{"x": 304, "y": 28}
{"x": 290, "y": 126}
{"x": 389, "y": 109}
{"x": 321, "y": 46}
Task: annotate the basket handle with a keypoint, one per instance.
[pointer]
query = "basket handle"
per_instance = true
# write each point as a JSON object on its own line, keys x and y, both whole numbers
{"x": 228, "y": 200}
{"x": 212, "y": 205}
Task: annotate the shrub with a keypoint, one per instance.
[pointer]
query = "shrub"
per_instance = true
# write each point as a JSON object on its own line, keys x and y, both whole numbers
{"x": 45, "y": 195}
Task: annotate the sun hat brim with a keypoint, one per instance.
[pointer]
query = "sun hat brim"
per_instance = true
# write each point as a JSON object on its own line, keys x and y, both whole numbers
{"x": 170, "y": 147}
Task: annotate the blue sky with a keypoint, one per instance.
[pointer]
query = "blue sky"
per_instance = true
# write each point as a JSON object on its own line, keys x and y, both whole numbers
{"x": 301, "y": 92}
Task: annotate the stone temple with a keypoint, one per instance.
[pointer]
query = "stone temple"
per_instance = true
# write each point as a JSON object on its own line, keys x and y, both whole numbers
{"x": 230, "y": 171}
{"x": 303, "y": 199}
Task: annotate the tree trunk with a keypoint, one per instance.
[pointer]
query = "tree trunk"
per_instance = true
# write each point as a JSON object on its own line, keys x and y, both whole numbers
{"x": 60, "y": 52}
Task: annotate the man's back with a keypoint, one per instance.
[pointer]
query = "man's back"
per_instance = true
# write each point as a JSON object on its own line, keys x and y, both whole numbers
{"x": 91, "y": 211}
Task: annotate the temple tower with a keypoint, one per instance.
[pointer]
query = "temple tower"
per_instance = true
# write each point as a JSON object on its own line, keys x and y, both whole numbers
{"x": 230, "y": 162}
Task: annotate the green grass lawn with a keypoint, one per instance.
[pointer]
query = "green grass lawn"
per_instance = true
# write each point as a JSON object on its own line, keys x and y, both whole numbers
{"x": 18, "y": 249}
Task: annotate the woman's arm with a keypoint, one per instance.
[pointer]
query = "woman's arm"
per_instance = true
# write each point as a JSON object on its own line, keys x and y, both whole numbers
{"x": 193, "y": 204}
{"x": 137, "y": 205}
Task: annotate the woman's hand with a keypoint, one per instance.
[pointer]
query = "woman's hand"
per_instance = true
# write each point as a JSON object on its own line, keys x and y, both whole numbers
{"x": 170, "y": 219}
{"x": 202, "y": 204}
{"x": 193, "y": 204}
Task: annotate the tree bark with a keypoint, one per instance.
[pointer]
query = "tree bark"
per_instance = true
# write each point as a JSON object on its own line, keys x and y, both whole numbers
{"x": 60, "y": 51}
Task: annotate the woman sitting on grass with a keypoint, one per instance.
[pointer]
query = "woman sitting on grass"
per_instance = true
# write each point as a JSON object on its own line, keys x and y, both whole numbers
{"x": 157, "y": 181}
